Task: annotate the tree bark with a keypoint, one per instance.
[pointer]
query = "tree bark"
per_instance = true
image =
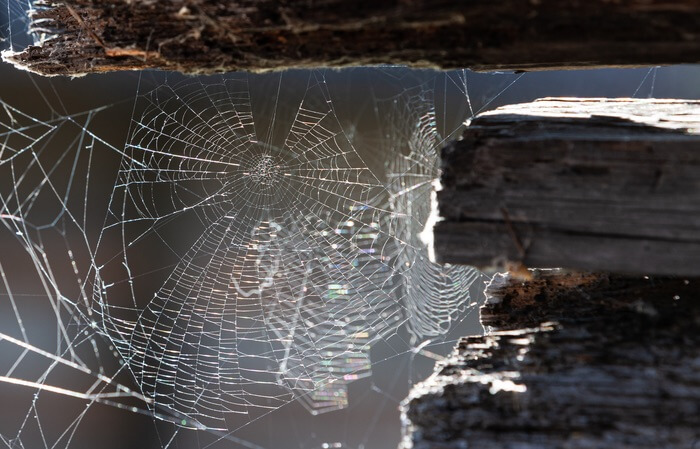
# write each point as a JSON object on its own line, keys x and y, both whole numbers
{"x": 594, "y": 184}
{"x": 571, "y": 361}
{"x": 203, "y": 36}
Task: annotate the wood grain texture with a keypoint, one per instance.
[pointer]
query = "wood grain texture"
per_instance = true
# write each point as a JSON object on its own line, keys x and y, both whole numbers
{"x": 595, "y": 184}
{"x": 579, "y": 361}
{"x": 204, "y": 36}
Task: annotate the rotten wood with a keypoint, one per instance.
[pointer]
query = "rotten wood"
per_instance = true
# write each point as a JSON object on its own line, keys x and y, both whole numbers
{"x": 593, "y": 184}
{"x": 585, "y": 361}
{"x": 204, "y": 36}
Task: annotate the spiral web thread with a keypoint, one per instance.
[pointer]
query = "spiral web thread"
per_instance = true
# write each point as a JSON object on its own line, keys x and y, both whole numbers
{"x": 289, "y": 283}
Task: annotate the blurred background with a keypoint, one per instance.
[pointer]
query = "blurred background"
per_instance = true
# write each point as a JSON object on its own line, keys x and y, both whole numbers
{"x": 62, "y": 147}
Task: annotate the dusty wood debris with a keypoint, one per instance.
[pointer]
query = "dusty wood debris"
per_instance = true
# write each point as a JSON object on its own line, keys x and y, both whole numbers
{"x": 572, "y": 361}
{"x": 204, "y": 36}
{"x": 593, "y": 184}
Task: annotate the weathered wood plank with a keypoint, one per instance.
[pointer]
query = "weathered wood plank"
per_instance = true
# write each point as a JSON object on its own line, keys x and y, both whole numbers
{"x": 573, "y": 360}
{"x": 199, "y": 36}
{"x": 596, "y": 184}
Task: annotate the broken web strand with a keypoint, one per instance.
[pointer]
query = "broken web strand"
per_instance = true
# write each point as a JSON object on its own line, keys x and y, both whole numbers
{"x": 32, "y": 192}
{"x": 71, "y": 347}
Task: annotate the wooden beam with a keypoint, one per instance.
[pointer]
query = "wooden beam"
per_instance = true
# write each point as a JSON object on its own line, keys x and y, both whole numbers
{"x": 572, "y": 360}
{"x": 594, "y": 184}
{"x": 203, "y": 36}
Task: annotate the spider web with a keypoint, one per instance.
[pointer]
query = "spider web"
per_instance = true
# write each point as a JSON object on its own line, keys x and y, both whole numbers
{"x": 288, "y": 284}
{"x": 234, "y": 247}
{"x": 434, "y": 295}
